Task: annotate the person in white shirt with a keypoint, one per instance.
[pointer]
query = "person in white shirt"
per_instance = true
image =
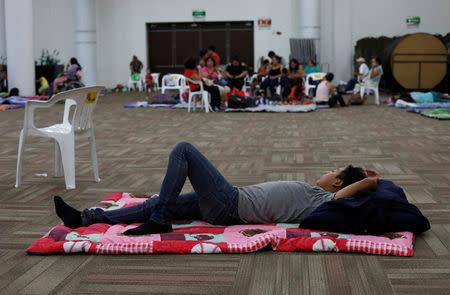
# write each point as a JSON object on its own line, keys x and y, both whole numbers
{"x": 363, "y": 70}
{"x": 371, "y": 79}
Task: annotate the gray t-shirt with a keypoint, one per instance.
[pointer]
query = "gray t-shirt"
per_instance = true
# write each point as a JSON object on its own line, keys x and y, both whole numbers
{"x": 280, "y": 201}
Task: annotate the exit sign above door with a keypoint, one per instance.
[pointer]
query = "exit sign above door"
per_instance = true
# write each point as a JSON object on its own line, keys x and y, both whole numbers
{"x": 198, "y": 13}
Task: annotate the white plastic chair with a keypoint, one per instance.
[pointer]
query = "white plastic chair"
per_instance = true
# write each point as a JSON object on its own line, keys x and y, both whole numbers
{"x": 371, "y": 87}
{"x": 247, "y": 81}
{"x": 201, "y": 92}
{"x": 139, "y": 83}
{"x": 79, "y": 125}
{"x": 156, "y": 79}
{"x": 314, "y": 77}
{"x": 180, "y": 83}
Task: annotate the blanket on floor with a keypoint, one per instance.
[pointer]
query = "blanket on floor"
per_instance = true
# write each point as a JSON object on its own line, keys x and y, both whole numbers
{"x": 145, "y": 104}
{"x": 401, "y": 104}
{"x": 277, "y": 108}
{"x": 440, "y": 114}
{"x": 201, "y": 237}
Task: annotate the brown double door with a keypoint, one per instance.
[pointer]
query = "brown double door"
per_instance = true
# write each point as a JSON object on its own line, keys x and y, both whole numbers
{"x": 169, "y": 44}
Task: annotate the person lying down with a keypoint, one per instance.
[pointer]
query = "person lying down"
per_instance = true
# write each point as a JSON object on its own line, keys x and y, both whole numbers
{"x": 216, "y": 201}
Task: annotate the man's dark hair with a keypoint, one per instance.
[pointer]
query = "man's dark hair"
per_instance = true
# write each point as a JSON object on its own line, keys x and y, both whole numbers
{"x": 329, "y": 77}
{"x": 271, "y": 54}
{"x": 190, "y": 63}
{"x": 351, "y": 175}
{"x": 14, "y": 92}
{"x": 212, "y": 48}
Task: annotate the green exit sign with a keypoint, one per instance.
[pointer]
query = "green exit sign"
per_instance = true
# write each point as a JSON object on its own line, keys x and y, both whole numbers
{"x": 413, "y": 20}
{"x": 198, "y": 13}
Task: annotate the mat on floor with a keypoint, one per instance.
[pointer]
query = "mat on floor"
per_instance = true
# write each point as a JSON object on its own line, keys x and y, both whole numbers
{"x": 277, "y": 108}
{"x": 401, "y": 104}
{"x": 145, "y": 104}
{"x": 440, "y": 114}
{"x": 200, "y": 237}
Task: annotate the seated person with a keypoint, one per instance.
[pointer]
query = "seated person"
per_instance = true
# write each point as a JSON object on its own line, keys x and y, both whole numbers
{"x": 297, "y": 92}
{"x": 363, "y": 69}
{"x": 311, "y": 68}
{"x": 3, "y": 79}
{"x": 263, "y": 70}
{"x": 274, "y": 74}
{"x": 149, "y": 83}
{"x": 212, "y": 52}
{"x": 136, "y": 65}
{"x": 217, "y": 201}
{"x": 192, "y": 73}
{"x": 327, "y": 94}
{"x": 203, "y": 57}
{"x": 71, "y": 74}
{"x": 251, "y": 71}
{"x": 43, "y": 85}
{"x": 209, "y": 71}
{"x": 295, "y": 73}
{"x": 370, "y": 80}
{"x": 421, "y": 97}
{"x": 235, "y": 73}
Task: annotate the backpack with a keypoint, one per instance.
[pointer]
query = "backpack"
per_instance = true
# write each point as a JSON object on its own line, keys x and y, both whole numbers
{"x": 241, "y": 102}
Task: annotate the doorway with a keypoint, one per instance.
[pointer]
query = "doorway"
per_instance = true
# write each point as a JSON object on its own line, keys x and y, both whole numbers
{"x": 170, "y": 44}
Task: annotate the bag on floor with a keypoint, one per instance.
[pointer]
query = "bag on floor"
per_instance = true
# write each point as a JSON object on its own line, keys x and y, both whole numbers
{"x": 241, "y": 102}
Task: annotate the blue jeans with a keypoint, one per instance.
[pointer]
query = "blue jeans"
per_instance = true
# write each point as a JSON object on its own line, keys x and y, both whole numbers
{"x": 215, "y": 200}
{"x": 272, "y": 84}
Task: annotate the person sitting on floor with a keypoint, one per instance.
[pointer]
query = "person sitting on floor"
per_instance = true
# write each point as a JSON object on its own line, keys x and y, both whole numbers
{"x": 295, "y": 73}
{"x": 297, "y": 92}
{"x": 43, "y": 85}
{"x": 421, "y": 97}
{"x": 71, "y": 74}
{"x": 274, "y": 74}
{"x": 370, "y": 80}
{"x": 217, "y": 201}
{"x": 326, "y": 94}
{"x": 363, "y": 70}
{"x": 311, "y": 68}
{"x": 192, "y": 73}
{"x": 236, "y": 73}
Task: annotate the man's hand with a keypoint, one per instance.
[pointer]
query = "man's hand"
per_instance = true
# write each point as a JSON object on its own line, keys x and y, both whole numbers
{"x": 372, "y": 182}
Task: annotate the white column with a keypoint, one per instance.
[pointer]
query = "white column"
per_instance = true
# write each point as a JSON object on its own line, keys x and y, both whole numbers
{"x": 310, "y": 21}
{"x": 19, "y": 45}
{"x": 2, "y": 30}
{"x": 86, "y": 40}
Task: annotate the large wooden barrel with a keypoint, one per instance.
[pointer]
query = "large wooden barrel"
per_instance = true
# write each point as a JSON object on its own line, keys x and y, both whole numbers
{"x": 417, "y": 61}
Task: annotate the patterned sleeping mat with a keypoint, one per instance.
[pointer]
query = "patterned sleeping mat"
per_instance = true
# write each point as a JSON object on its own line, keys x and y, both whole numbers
{"x": 200, "y": 237}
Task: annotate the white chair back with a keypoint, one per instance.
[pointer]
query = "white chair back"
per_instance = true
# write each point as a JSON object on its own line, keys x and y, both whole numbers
{"x": 85, "y": 100}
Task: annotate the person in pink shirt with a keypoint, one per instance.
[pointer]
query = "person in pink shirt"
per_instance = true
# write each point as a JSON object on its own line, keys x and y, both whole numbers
{"x": 326, "y": 94}
{"x": 209, "y": 71}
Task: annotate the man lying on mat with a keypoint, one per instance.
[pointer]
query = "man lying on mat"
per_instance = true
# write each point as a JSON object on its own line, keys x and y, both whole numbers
{"x": 218, "y": 202}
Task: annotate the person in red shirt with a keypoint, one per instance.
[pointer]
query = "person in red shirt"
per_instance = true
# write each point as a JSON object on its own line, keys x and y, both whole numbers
{"x": 192, "y": 73}
{"x": 213, "y": 54}
{"x": 149, "y": 83}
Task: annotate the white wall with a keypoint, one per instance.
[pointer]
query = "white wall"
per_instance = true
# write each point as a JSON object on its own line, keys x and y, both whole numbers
{"x": 121, "y": 30}
{"x": 356, "y": 19}
{"x": 54, "y": 27}
{"x": 2, "y": 29}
